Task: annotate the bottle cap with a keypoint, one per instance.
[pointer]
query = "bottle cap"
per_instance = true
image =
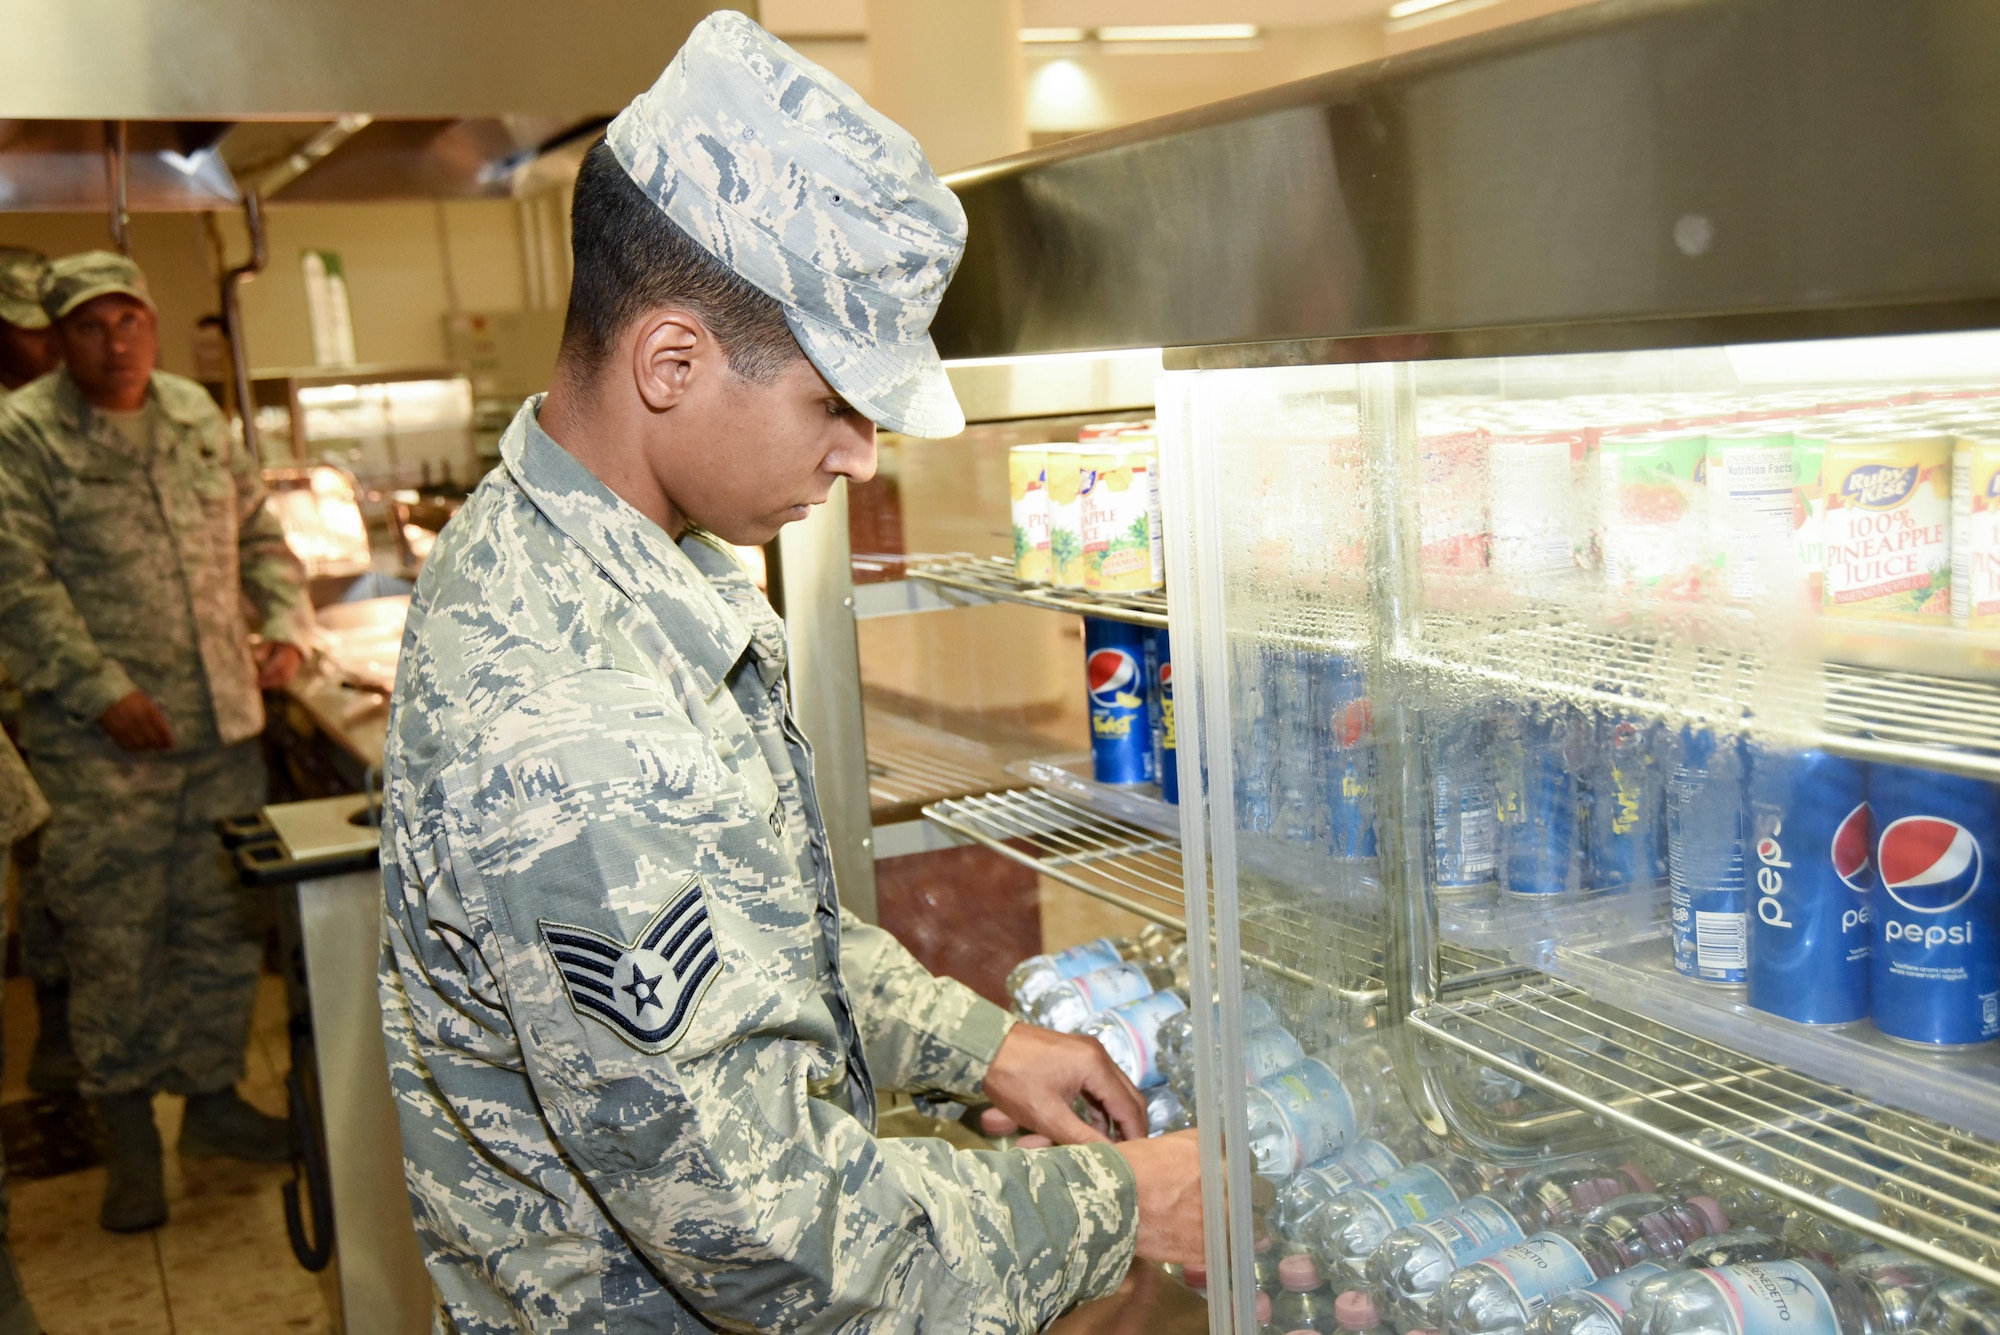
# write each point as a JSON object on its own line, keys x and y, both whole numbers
{"x": 1638, "y": 1177}
{"x": 1356, "y": 1310}
{"x": 1592, "y": 1192}
{"x": 1033, "y": 1142}
{"x": 1195, "y": 1277}
{"x": 1263, "y": 1306}
{"x": 1263, "y": 1243}
{"x": 1298, "y": 1273}
{"x": 993, "y": 1122}
{"x": 1711, "y": 1211}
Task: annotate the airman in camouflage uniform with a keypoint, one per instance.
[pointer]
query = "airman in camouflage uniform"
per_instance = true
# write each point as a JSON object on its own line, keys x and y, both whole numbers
{"x": 130, "y": 541}
{"x": 634, "y": 1039}
{"x": 22, "y": 811}
{"x": 28, "y": 350}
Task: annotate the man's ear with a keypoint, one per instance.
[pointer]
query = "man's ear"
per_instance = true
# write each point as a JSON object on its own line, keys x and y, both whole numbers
{"x": 671, "y": 349}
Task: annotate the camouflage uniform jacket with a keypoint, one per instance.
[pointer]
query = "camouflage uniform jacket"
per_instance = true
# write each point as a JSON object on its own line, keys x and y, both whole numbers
{"x": 626, "y": 1018}
{"x": 119, "y": 572}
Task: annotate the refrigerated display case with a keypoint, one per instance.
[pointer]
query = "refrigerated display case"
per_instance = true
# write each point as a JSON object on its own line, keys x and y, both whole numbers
{"x": 1475, "y": 360}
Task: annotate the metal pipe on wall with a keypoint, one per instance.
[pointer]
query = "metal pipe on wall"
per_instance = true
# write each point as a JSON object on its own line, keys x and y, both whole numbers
{"x": 232, "y": 316}
{"x": 117, "y": 180}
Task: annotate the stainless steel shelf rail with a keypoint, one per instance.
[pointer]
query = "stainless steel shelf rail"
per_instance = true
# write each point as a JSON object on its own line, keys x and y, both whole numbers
{"x": 1791, "y": 1137}
{"x": 1871, "y": 713}
{"x": 992, "y": 577}
{"x": 1139, "y": 870}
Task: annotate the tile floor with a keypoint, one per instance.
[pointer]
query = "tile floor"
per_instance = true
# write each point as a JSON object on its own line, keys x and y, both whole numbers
{"x": 221, "y": 1266}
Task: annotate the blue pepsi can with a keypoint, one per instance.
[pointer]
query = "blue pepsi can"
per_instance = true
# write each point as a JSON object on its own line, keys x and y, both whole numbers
{"x": 1160, "y": 711}
{"x": 1350, "y": 767}
{"x": 1465, "y": 817}
{"x": 1121, "y": 741}
{"x": 1936, "y": 967}
{"x": 1814, "y": 877}
{"x": 1537, "y": 757}
{"x": 1708, "y": 896}
{"x": 1623, "y": 829}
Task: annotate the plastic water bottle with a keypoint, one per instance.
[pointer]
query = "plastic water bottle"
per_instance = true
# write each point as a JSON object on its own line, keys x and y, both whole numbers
{"x": 1130, "y": 1034}
{"x": 1595, "y": 1309}
{"x": 1902, "y": 1284}
{"x": 1312, "y": 1187}
{"x": 1414, "y": 1261}
{"x": 1498, "y": 1294}
{"x": 1299, "y": 1116}
{"x": 1068, "y": 1006}
{"x": 1303, "y": 1301}
{"x": 1163, "y": 1109}
{"x": 1738, "y": 1246}
{"x": 1354, "y": 1223}
{"x": 1791, "y": 1297}
{"x": 1824, "y": 1240}
{"x": 1177, "y": 1040}
{"x": 1960, "y": 1307}
{"x": 1038, "y": 973}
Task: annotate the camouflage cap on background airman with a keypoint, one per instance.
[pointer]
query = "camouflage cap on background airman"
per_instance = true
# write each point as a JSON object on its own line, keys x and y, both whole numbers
{"x": 75, "y": 279}
{"x": 21, "y": 275}
{"x": 783, "y": 173}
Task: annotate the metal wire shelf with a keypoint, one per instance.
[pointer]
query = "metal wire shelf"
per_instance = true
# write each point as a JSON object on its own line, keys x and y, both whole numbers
{"x": 1800, "y": 1140}
{"x": 1139, "y": 870}
{"x": 1872, "y": 713}
{"x": 992, "y": 577}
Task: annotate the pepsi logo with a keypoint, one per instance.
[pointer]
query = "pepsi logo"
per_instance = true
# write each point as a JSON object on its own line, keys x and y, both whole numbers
{"x": 1879, "y": 486}
{"x": 1114, "y": 678}
{"x": 1928, "y": 864}
{"x": 1166, "y": 679}
{"x": 1852, "y": 843}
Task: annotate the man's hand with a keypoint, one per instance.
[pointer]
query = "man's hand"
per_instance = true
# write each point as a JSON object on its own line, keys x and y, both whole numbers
{"x": 1038, "y": 1073}
{"x": 137, "y": 724}
{"x": 277, "y": 663}
{"x": 1168, "y": 1171}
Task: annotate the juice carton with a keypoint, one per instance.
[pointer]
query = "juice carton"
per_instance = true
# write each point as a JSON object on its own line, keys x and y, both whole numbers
{"x": 1653, "y": 492}
{"x": 1975, "y": 531}
{"x": 1888, "y": 526}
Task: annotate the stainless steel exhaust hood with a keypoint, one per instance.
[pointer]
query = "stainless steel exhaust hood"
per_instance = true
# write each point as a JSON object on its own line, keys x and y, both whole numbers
{"x": 59, "y": 167}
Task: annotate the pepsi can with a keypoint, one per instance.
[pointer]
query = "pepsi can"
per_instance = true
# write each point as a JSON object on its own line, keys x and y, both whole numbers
{"x": 1936, "y": 968}
{"x": 1708, "y": 896}
{"x": 1121, "y": 742}
{"x": 1350, "y": 768}
{"x": 1465, "y": 820}
{"x": 1622, "y": 826}
{"x": 1160, "y": 711}
{"x": 1814, "y": 843}
{"x": 1536, "y": 762}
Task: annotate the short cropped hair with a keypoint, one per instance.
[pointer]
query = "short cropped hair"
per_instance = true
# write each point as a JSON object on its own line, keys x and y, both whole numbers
{"x": 631, "y": 259}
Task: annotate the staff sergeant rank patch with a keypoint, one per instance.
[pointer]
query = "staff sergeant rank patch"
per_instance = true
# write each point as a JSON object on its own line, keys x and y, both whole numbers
{"x": 644, "y": 992}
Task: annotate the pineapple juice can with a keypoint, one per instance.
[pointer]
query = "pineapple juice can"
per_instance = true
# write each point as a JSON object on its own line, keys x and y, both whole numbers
{"x": 1120, "y": 504}
{"x": 1975, "y": 531}
{"x": 1028, "y": 488}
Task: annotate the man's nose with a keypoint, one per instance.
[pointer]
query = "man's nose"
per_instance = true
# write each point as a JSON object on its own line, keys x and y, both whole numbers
{"x": 854, "y": 457}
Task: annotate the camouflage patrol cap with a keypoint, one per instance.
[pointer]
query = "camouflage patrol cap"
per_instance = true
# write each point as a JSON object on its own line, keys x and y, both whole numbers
{"x": 21, "y": 273}
{"x": 783, "y": 173}
{"x": 75, "y": 279}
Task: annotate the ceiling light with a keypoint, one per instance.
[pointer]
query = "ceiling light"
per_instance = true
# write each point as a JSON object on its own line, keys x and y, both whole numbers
{"x": 1403, "y": 9}
{"x": 1181, "y": 32}
{"x": 1054, "y": 34}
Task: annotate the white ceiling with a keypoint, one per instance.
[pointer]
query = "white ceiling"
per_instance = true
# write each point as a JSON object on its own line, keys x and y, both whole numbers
{"x": 850, "y": 16}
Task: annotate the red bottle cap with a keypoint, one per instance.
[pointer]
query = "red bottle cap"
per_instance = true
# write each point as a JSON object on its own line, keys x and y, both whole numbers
{"x": 1356, "y": 1310}
{"x": 1298, "y": 1273}
{"x": 1711, "y": 1212}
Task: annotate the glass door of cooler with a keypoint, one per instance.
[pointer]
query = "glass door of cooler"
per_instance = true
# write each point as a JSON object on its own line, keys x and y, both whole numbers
{"x": 1593, "y": 756}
